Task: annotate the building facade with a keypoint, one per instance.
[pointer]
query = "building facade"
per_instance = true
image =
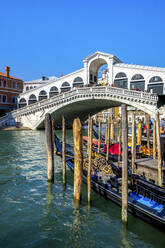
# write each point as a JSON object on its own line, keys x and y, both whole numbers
{"x": 117, "y": 74}
{"x": 30, "y": 85}
{"x": 10, "y": 88}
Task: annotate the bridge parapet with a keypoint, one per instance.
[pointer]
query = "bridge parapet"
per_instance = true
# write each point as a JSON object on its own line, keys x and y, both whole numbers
{"x": 86, "y": 90}
{"x": 133, "y": 98}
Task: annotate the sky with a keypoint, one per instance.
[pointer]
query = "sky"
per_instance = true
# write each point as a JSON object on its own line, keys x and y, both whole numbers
{"x": 49, "y": 37}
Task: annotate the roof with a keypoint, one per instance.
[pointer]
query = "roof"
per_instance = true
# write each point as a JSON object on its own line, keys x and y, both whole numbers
{"x": 10, "y": 77}
{"x": 103, "y": 54}
{"x": 41, "y": 81}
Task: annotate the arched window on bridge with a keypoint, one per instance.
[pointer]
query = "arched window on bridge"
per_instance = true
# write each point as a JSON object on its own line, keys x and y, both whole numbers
{"x": 121, "y": 80}
{"x": 137, "y": 82}
{"x": 22, "y": 103}
{"x": 31, "y": 87}
{"x": 27, "y": 88}
{"x": 78, "y": 82}
{"x": 42, "y": 95}
{"x": 53, "y": 91}
{"x": 32, "y": 99}
{"x": 156, "y": 85}
{"x": 65, "y": 87}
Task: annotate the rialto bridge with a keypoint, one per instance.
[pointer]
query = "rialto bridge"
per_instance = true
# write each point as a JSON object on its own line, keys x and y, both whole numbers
{"x": 77, "y": 93}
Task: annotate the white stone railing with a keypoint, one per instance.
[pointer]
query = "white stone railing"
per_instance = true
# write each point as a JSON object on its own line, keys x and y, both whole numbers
{"x": 85, "y": 90}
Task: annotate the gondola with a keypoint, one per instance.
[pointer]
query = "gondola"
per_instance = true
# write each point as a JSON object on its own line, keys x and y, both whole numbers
{"x": 145, "y": 200}
{"x": 113, "y": 149}
{"x": 141, "y": 150}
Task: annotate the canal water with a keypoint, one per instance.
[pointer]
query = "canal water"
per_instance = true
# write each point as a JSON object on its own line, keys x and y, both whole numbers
{"x": 34, "y": 213}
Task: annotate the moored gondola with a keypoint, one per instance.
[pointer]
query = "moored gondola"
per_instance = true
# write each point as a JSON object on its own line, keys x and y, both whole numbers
{"x": 145, "y": 199}
{"x": 142, "y": 150}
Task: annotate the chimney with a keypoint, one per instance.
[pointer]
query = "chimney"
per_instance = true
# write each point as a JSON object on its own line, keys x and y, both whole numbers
{"x": 44, "y": 78}
{"x": 7, "y": 69}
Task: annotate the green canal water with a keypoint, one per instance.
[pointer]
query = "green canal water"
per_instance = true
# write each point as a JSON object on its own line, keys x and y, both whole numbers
{"x": 34, "y": 213}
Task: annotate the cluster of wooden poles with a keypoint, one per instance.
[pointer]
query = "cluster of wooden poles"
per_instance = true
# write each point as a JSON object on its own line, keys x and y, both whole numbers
{"x": 78, "y": 152}
{"x": 156, "y": 142}
{"x": 136, "y": 139}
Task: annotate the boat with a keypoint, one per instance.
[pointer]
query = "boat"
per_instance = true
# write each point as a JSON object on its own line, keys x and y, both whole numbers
{"x": 142, "y": 151}
{"x": 145, "y": 199}
{"x": 113, "y": 148}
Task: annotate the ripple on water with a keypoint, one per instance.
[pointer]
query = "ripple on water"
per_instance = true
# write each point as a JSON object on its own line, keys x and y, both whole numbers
{"x": 34, "y": 213}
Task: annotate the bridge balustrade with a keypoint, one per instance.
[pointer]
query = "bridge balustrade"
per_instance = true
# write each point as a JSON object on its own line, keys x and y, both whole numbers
{"x": 101, "y": 89}
{"x": 83, "y": 91}
{"x": 149, "y": 96}
{"x": 132, "y": 93}
{"x": 115, "y": 90}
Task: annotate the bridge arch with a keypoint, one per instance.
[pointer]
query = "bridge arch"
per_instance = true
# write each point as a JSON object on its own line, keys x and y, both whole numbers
{"x": 83, "y": 101}
{"x": 121, "y": 80}
{"x": 32, "y": 99}
{"x": 22, "y": 103}
{"x": 137, "y": 82}
{"x": 156, "y": 85}
{"x": 65, "y": 87}
{"x": 78, "y": 82}
{"x": 84, "y": 104}
{"x": 27, "y": 88}
{"x": 42, "y": 95}
{"x": 94, "y": 66}
{"x": 53, "y": 91}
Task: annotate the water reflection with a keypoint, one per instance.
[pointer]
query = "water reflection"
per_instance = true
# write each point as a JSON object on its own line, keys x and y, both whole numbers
{"x": 63, "y": 189}
{"x": 42, "y": 214}
{"x": 124, "y": 237}
{"x": 77, "y": 230}
{"x": 49, "y": 195}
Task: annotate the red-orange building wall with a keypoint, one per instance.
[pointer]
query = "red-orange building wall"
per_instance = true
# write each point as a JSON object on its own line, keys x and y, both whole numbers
{"x": 10, "y": 88}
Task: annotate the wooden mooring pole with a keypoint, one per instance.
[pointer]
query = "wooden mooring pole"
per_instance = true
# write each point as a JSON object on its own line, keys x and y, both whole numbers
{"x": 159, "y": 149}
{"x": 148, "y": 134}
{"x": 63, "y": 151}
{"x": 99, "y": 140}
{"x": 154, "y": 139}
{"x": 139, "y": 134}
{"x": 90, "y": 123}
{"x": 133, "y": 148}
{"x": 124, "y": 165}
{"x": 108, "y": 136}
{"x": 78, "y": 159}
{"x": 120, "y": 139}
{"x": 112, "y": 133}
{"x": 49, "y": 147}
{"x": 53, "y": 131}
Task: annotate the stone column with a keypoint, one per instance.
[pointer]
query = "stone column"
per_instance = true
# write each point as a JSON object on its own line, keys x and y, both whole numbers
{"x": 110, "y": 71}
{"x": 86, "y": 73}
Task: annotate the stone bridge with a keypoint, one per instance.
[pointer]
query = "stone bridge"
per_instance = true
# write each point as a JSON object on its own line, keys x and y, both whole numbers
{"x": 80, "y": 102}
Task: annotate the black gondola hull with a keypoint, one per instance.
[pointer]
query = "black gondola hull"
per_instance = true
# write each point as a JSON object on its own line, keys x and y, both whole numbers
{"x": 135, "y": 208}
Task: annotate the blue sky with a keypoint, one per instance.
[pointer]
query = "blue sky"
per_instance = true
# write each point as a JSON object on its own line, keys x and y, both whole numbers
{"x": 49, "y": 37}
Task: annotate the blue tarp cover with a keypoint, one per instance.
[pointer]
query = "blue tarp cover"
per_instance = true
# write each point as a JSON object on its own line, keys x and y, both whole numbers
{"x": 146, "y": 201}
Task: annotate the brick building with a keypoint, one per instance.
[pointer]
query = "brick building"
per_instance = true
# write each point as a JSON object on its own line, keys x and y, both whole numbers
{"x": 10, "y": 88}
